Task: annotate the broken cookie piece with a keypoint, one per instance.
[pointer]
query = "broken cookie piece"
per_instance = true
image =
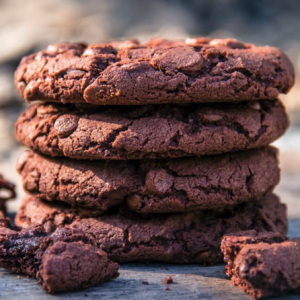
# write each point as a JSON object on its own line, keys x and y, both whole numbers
{"x": 262, "y": 264}
{"x": 66, "y": 260}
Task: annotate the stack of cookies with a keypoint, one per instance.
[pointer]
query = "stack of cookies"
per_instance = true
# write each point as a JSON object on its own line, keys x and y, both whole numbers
{"x": 155, "y": 150}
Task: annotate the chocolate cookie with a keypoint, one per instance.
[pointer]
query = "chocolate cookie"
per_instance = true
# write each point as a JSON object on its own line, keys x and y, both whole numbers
{"x": 147, "y": 186}
{"x": 178, "y": 238}
{"x": 90, "y": 132}
{"x": 262, "y": 264}
{"x": 64, "y": 260}
{"x": 7, "y": 191}
{"x": 197, "y": 70}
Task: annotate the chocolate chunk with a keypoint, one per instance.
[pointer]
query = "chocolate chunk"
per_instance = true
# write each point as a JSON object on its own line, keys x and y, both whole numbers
{"x": 22, "y": 159}
{"x": 231, "y": 43}
{"x": 185, "y": 59}
{"x": 158, "y": 181}
{"x": 134, "y": 202}
{"x": 66, "y": 125}
{"x": 98, "y": 49}
{"x": 197, "y": 41}
{"x": 126, "y": 44}
{"x": 59, "y": 48}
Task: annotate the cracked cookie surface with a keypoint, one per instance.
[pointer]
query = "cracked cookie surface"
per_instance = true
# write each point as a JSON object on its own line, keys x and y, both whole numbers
{"x": 127, "y": 73}
{"x": 148, "y": 186}
{"x": 179, "y": 238}
{"x": 130, "y": 132}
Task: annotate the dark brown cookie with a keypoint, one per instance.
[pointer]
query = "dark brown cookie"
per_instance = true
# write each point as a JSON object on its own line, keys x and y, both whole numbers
{"x": 178, "y": 238}
{"x": 148, "y": 186}
{"x": 262, "y": 264}
{"x": 198, "y": 70}
{"x": 7, "y": 191}
{"x": 90, "y": 132}
{"x": 64, "y": 260}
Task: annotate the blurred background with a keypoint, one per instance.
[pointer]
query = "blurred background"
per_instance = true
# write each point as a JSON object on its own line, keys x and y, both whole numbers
{"x": 28, "y": 26}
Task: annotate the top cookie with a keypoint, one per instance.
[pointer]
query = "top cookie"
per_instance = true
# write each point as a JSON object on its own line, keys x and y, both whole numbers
{"x": 128, "y": 73}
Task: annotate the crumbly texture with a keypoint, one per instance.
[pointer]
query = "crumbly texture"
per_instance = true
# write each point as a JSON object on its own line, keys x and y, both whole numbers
{"x": 232, "y": 244}
{"x": 177, "y": 238}
{"x": 148, "y": 186}
{"x": 197, "y": 70}
{"x": 64, "y": 260}
{"x": 150, "y": 131}
{"x": 7, "y": 191}
{"x": 263, "y": 265}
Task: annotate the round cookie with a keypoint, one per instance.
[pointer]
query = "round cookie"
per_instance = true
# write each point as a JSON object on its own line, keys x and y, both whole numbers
{"x": 153, "y": 131}
{"x": 148, "y": 186}
{"x": 127, "y": 73}
{"x": 178, "y": 238}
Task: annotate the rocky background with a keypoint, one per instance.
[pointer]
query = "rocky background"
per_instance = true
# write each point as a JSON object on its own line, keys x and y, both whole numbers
{"x": 27, "y": 26}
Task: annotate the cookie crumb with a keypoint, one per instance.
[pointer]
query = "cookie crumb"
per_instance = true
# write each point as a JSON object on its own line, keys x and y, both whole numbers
{"x": 168, "y": 280}
{"x": 145, "y": 282}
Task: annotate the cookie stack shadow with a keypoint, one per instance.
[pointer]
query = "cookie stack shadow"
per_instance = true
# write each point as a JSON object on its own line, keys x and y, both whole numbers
{"x": 156, "y": 150}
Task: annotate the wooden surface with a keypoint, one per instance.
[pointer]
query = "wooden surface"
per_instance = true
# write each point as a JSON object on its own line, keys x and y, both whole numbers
{"x": 190, "y": 282}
